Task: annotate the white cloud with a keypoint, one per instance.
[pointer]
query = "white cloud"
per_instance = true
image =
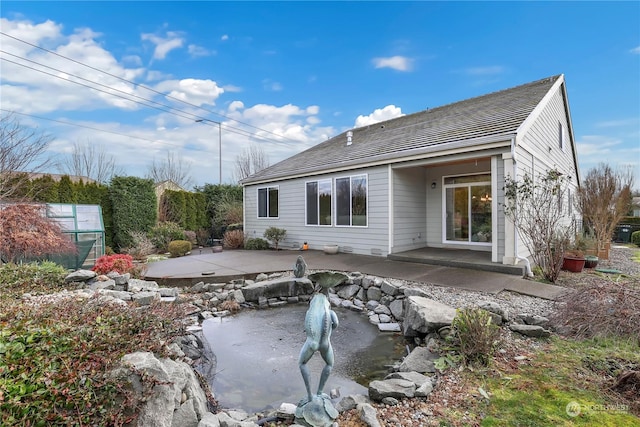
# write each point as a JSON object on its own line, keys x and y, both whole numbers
{"x": 29, "y": 90}
{"x": 379, "y": 115}
{"x": 596, "y": 145}
{"x": 163, "y": 45}
{"x": 635, "y": 50}
{"x": 197, "y": 51}
{"x": 632, "y": 121}
{"x": 224, "y": 37}
{"x": 194, "y": 91}
{"x": 399, "y": 63}
{"x": 272, "y": 86}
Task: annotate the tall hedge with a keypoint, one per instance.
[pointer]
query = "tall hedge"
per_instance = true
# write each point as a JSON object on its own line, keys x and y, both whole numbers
{"x": 173, "y": 207}
{"x": 202, "y": 220}
{"x": 44, "y": 189}
{"x": 213, "y": 194}
{"x": 134, "y": 207}
{"x": 66, "y": 190}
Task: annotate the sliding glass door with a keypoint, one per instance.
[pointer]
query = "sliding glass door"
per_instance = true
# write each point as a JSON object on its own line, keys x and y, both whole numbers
{"x": 468, "y": 209}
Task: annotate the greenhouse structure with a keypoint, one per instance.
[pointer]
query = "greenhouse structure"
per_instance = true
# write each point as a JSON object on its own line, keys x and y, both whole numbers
{"x": 84, "y": 224}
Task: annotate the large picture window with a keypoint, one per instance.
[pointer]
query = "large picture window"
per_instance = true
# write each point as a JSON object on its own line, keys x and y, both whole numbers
{"x": 468, "y": 209}
{"x": 268, "y": 202}
{"x": 318, "y": 195}
{"x": 351, "y": 201}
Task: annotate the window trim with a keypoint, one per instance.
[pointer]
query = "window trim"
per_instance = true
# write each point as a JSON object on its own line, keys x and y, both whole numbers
{"x": 268, "y": 187}
{"x": 351, "y": 177}
{"x": 331, "y": 207}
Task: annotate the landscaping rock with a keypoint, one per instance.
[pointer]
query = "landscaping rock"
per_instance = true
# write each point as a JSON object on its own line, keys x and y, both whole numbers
{"x": 389, "y": 327}
{"x": 374, "y": 293}
{"x": 80, "y": 276}
{"x": 396, "y": 388}
{"x": 368, "y": 415}
{"x": 348, "y": 291}
{"x": 145, "y": 298}
{"x": 530, "y": 330}
{"x": 424, "y": 315}
{"x": 276, "y": 288}
{"x": 397, "y": 309}
{"x": 209, "y": 420}
{"x": 419, "y": 360}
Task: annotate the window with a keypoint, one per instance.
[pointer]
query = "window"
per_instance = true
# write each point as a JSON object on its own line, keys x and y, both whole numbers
{"x": 561, "y": 136}
{"x": 351, "y": 201}
{"x": 268, "y": 202}
{"x": 318, "y": 197}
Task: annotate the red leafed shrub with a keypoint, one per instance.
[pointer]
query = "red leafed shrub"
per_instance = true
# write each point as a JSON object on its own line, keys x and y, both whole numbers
{"x": 26, "y": 232}
{"x": 120, "y": 263}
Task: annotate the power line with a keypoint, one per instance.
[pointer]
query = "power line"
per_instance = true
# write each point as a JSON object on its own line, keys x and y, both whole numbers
{"x": 166, "y": 109}
{"x": 101, "y": 130}
{"x": 145, "y": 87}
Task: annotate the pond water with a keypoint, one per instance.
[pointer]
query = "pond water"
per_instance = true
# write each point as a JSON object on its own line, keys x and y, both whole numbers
{"x": 256, "y": 356}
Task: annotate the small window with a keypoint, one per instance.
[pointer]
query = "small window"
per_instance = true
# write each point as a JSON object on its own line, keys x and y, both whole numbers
{"x": 268, "y": 202}
{"x": 561, "y": 136}
{"x": 351, "y": 201}
{"x": 318, "y": 195}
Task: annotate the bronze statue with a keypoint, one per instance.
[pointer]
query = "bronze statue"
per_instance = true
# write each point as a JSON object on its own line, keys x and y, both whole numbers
{"x": 317, "y": 410}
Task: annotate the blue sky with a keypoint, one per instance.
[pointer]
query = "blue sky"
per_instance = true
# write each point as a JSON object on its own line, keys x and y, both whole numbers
{"x": 285, "y": 76}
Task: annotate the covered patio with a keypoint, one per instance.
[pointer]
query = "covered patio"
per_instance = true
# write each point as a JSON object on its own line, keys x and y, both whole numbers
{"x": 460, "y": 258}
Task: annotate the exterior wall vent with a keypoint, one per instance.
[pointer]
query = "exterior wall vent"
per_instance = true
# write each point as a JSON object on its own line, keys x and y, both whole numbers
{"x": 376, "y": 251}
{"x": 347, "y": 249}
{"x": 349, "y": 137}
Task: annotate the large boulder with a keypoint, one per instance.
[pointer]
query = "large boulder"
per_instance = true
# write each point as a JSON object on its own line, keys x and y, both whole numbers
{"x": 419, "y": 360}
{"x": 170, "y": 390}
{"x": 424, "y": 315}
{"x": 396, "y": 388}
{"x": 276, "y": 288}
{"x": 80, "y": 276}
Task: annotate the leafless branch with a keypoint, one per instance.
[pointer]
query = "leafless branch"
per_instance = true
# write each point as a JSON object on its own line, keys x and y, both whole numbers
{"x": 22, "y": 149}
{"x": 92, "y": 161}
{"x": 172, "y": 169}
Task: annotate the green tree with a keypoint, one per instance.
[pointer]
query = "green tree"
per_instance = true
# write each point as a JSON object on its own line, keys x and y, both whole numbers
{"x": 66, "y": 190}
{"x": 133, "y": 202}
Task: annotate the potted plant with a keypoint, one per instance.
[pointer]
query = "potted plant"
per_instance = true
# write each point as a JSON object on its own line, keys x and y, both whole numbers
{"x": 573, "y": 261}
{"x": 590, "y": 261}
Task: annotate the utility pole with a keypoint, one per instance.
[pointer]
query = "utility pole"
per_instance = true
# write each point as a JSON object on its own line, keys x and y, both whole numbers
{"x": 219, "y": 145}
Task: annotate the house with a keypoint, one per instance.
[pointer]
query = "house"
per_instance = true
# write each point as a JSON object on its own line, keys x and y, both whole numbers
{"x": 635, "y": 206}
{"x": 433, "y": 179}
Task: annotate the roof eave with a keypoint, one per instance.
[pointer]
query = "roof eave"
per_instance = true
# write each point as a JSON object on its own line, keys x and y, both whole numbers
{"x": 481, "y": 143}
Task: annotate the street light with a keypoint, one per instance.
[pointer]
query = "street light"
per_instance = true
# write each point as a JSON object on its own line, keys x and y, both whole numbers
{"x": 219, "y": 144}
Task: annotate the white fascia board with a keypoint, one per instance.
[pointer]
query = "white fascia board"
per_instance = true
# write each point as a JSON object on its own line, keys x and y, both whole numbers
{"x": 438, "y": 150}
{"x": 533, "y": 116}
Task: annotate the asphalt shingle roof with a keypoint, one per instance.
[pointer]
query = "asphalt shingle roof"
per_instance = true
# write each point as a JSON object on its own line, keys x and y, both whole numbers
{"x": 488, "y": 115}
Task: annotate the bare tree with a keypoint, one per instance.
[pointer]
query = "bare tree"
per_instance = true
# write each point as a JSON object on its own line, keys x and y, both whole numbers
{"x": 22, "y": 149}
{"x": 172, "y": 169}
{"x": 535, "y": 208}
{"x": 603, "y": 199}
{"x": 91, "y": 161}
{"x": 250, "y": 161}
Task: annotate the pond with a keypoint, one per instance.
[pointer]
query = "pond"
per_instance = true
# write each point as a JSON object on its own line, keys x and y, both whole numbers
{"x": 256, "y": 356}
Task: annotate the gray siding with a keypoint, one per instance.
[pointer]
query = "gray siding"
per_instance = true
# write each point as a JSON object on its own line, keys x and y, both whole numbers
{"x": 409, "y": 209}
{"x": 370, "y": 240}
{"x": 539, "y": 148}
{"x": 500, "y": 204}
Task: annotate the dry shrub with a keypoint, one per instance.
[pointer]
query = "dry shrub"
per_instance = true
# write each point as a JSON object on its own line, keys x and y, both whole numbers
{"x": 142, "y": 246}
{"x": 600, "y": 310}
{"x": 230, "y": 305}
{"x": 234, "y": 239}
{"x": 475, "y": 335}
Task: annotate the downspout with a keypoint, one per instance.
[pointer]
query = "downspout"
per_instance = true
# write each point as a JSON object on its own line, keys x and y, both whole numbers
{"x": 527, "y": 264}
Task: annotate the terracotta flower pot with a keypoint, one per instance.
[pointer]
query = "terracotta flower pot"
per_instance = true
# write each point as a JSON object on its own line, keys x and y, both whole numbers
{"x": 573, "y": 264}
